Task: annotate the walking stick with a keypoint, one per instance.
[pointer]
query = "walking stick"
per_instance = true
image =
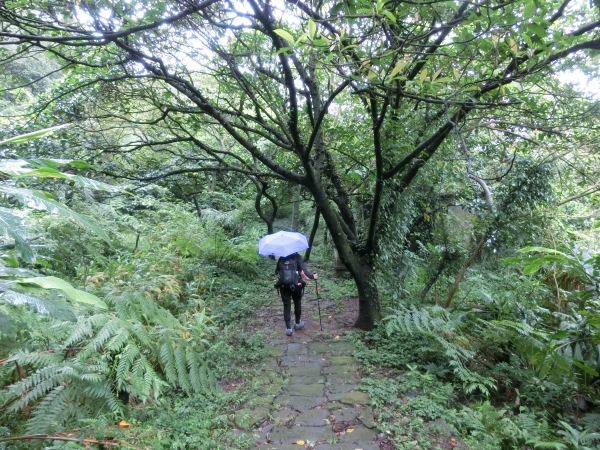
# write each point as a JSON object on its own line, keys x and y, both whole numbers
{"x": 318, "y": 303}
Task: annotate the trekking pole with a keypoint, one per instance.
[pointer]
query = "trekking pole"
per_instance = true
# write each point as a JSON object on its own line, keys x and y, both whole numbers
{"x": 318, "y": 303}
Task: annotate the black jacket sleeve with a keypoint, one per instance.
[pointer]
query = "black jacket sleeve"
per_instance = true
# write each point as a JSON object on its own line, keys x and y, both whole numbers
{"x": 303, "y": 268}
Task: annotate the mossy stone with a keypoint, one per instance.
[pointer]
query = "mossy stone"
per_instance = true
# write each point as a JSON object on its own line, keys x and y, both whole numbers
{"x": 351, "y": 398}
{"x": 312, "y": 418}
{"x": 342, "y": 360}
{"x": 306, "y": 390}
{"x": 247, "y": 418}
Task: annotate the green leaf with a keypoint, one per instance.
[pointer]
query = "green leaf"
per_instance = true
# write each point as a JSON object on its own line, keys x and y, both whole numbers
{"x": 46, "y": 172}
{"x": 587, "y": 369}
{"x": 7, "y": 326}
{"x": 79, "y": 164}
{"x": 529, "y": 10}
{"x": 389, "y": 16}
{"x": 336, "y": 9}
{"x": 42, "y": 202}
{"x": 14, "y": 225}
{"x": 531, "y": 268}
{"x": 29, "y": 136}
{"x": 540, "y": 250}
{"x": 397, "y": 68}
{"x": 284, "y": 34}
{"x": 312, "y": 28}
{"x": 302, "y": 38}
{"x": 539, "y": 30}
{"x": 90, "y": 183}
{"x": 485, "y": 297}
{"x": 42, "y": 162}
{"x": 53, "y": 309}
{"x": 60, "y": 284}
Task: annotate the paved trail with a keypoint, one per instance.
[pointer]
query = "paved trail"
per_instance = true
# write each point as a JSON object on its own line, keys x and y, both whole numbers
{"x": 308, "y": 396}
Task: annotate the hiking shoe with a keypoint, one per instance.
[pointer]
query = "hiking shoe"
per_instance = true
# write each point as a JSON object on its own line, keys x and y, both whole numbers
{"x": 299, "y": 326}
{"x": 289, "y": 332}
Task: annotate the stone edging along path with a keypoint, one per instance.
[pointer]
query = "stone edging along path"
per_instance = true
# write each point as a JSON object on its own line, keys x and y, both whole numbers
{"x": 308, "y": 398}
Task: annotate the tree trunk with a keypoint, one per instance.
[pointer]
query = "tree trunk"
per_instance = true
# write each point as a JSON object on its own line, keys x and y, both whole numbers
{"x": 368, "y": 298}
{"x": 339, "y": 219}
{"x": 360, "y": 266}
{"x": 296, "y": 208}
{"x": 464, "y": 268}
{"x": 313, "y": 233}
{"x": 195, "y": 198}
{"x": 261, "y": 191}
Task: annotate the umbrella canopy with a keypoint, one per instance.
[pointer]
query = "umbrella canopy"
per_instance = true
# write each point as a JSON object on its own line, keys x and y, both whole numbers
{"x": 282, "y": 243}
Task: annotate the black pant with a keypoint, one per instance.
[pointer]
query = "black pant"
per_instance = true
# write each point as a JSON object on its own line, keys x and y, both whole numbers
{"x": 286, "y": 297}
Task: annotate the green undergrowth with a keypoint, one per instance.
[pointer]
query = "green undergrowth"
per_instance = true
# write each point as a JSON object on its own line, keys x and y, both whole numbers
{"x": 178, "y": 292}
{"x": 513, "y": 364}
{"x": 181, "y": 423}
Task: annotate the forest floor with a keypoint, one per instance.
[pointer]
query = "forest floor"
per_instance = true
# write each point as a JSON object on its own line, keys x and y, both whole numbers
{"x": 308, "y": 389}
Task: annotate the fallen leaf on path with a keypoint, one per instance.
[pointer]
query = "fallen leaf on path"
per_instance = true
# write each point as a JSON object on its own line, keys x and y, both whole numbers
{"x": 300, "y": 442}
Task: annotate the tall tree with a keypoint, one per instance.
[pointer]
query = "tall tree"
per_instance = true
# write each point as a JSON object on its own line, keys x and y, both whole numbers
{"x": 349, "y": 100}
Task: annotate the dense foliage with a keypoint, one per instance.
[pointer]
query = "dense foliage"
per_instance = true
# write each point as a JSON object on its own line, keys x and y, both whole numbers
{"x": 434, "y": 145}
{"x": 345, "y": 103}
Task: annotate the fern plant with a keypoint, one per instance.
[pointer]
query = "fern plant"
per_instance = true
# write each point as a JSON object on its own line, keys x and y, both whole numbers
{"x": 138, "y": 336}
{"x": 126, "y": 349}
{"x": 444, "y": 326}
{"x": 63, "y": 391}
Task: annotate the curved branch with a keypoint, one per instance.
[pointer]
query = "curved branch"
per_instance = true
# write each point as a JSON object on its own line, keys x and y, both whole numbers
{"x": 91, "y": 37}
{"x": 486, "y": 191}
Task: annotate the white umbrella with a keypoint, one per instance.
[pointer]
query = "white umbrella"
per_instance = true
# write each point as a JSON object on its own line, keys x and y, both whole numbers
{"x": 282, "y": 243}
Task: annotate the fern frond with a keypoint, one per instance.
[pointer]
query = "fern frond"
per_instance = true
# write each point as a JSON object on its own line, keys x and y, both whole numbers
{"x": 119, "y": 340}
{"x": 143, "y": 379}
{"x": 99, "y": 389}
{"x": 142, "y": 335}
{"x": 591, "y": 421}
{"x": 181, "y": 366}
{"x": 45, "y": 414}
{"x": 126, "y": 358}
{"x": 195, "y": 372}
{"x": 167, "y": 361}
{"x": 36, "y": 359}
{"x": 110, "y": 329}
{"x": 36, "y": 385}
{"x": 201, "y": 378}
{"x": 84, "y": 329}
{"x": 547, "y": 445}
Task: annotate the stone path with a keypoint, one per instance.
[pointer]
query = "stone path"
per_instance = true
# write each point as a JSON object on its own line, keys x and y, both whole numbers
{"x": 308, "y": 398}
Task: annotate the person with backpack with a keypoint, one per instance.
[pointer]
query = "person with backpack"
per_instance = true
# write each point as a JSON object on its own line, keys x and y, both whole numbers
{"x": 290, "y": 270}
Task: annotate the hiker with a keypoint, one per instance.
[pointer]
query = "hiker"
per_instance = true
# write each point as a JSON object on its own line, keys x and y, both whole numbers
{"x": 290, "y": 270}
